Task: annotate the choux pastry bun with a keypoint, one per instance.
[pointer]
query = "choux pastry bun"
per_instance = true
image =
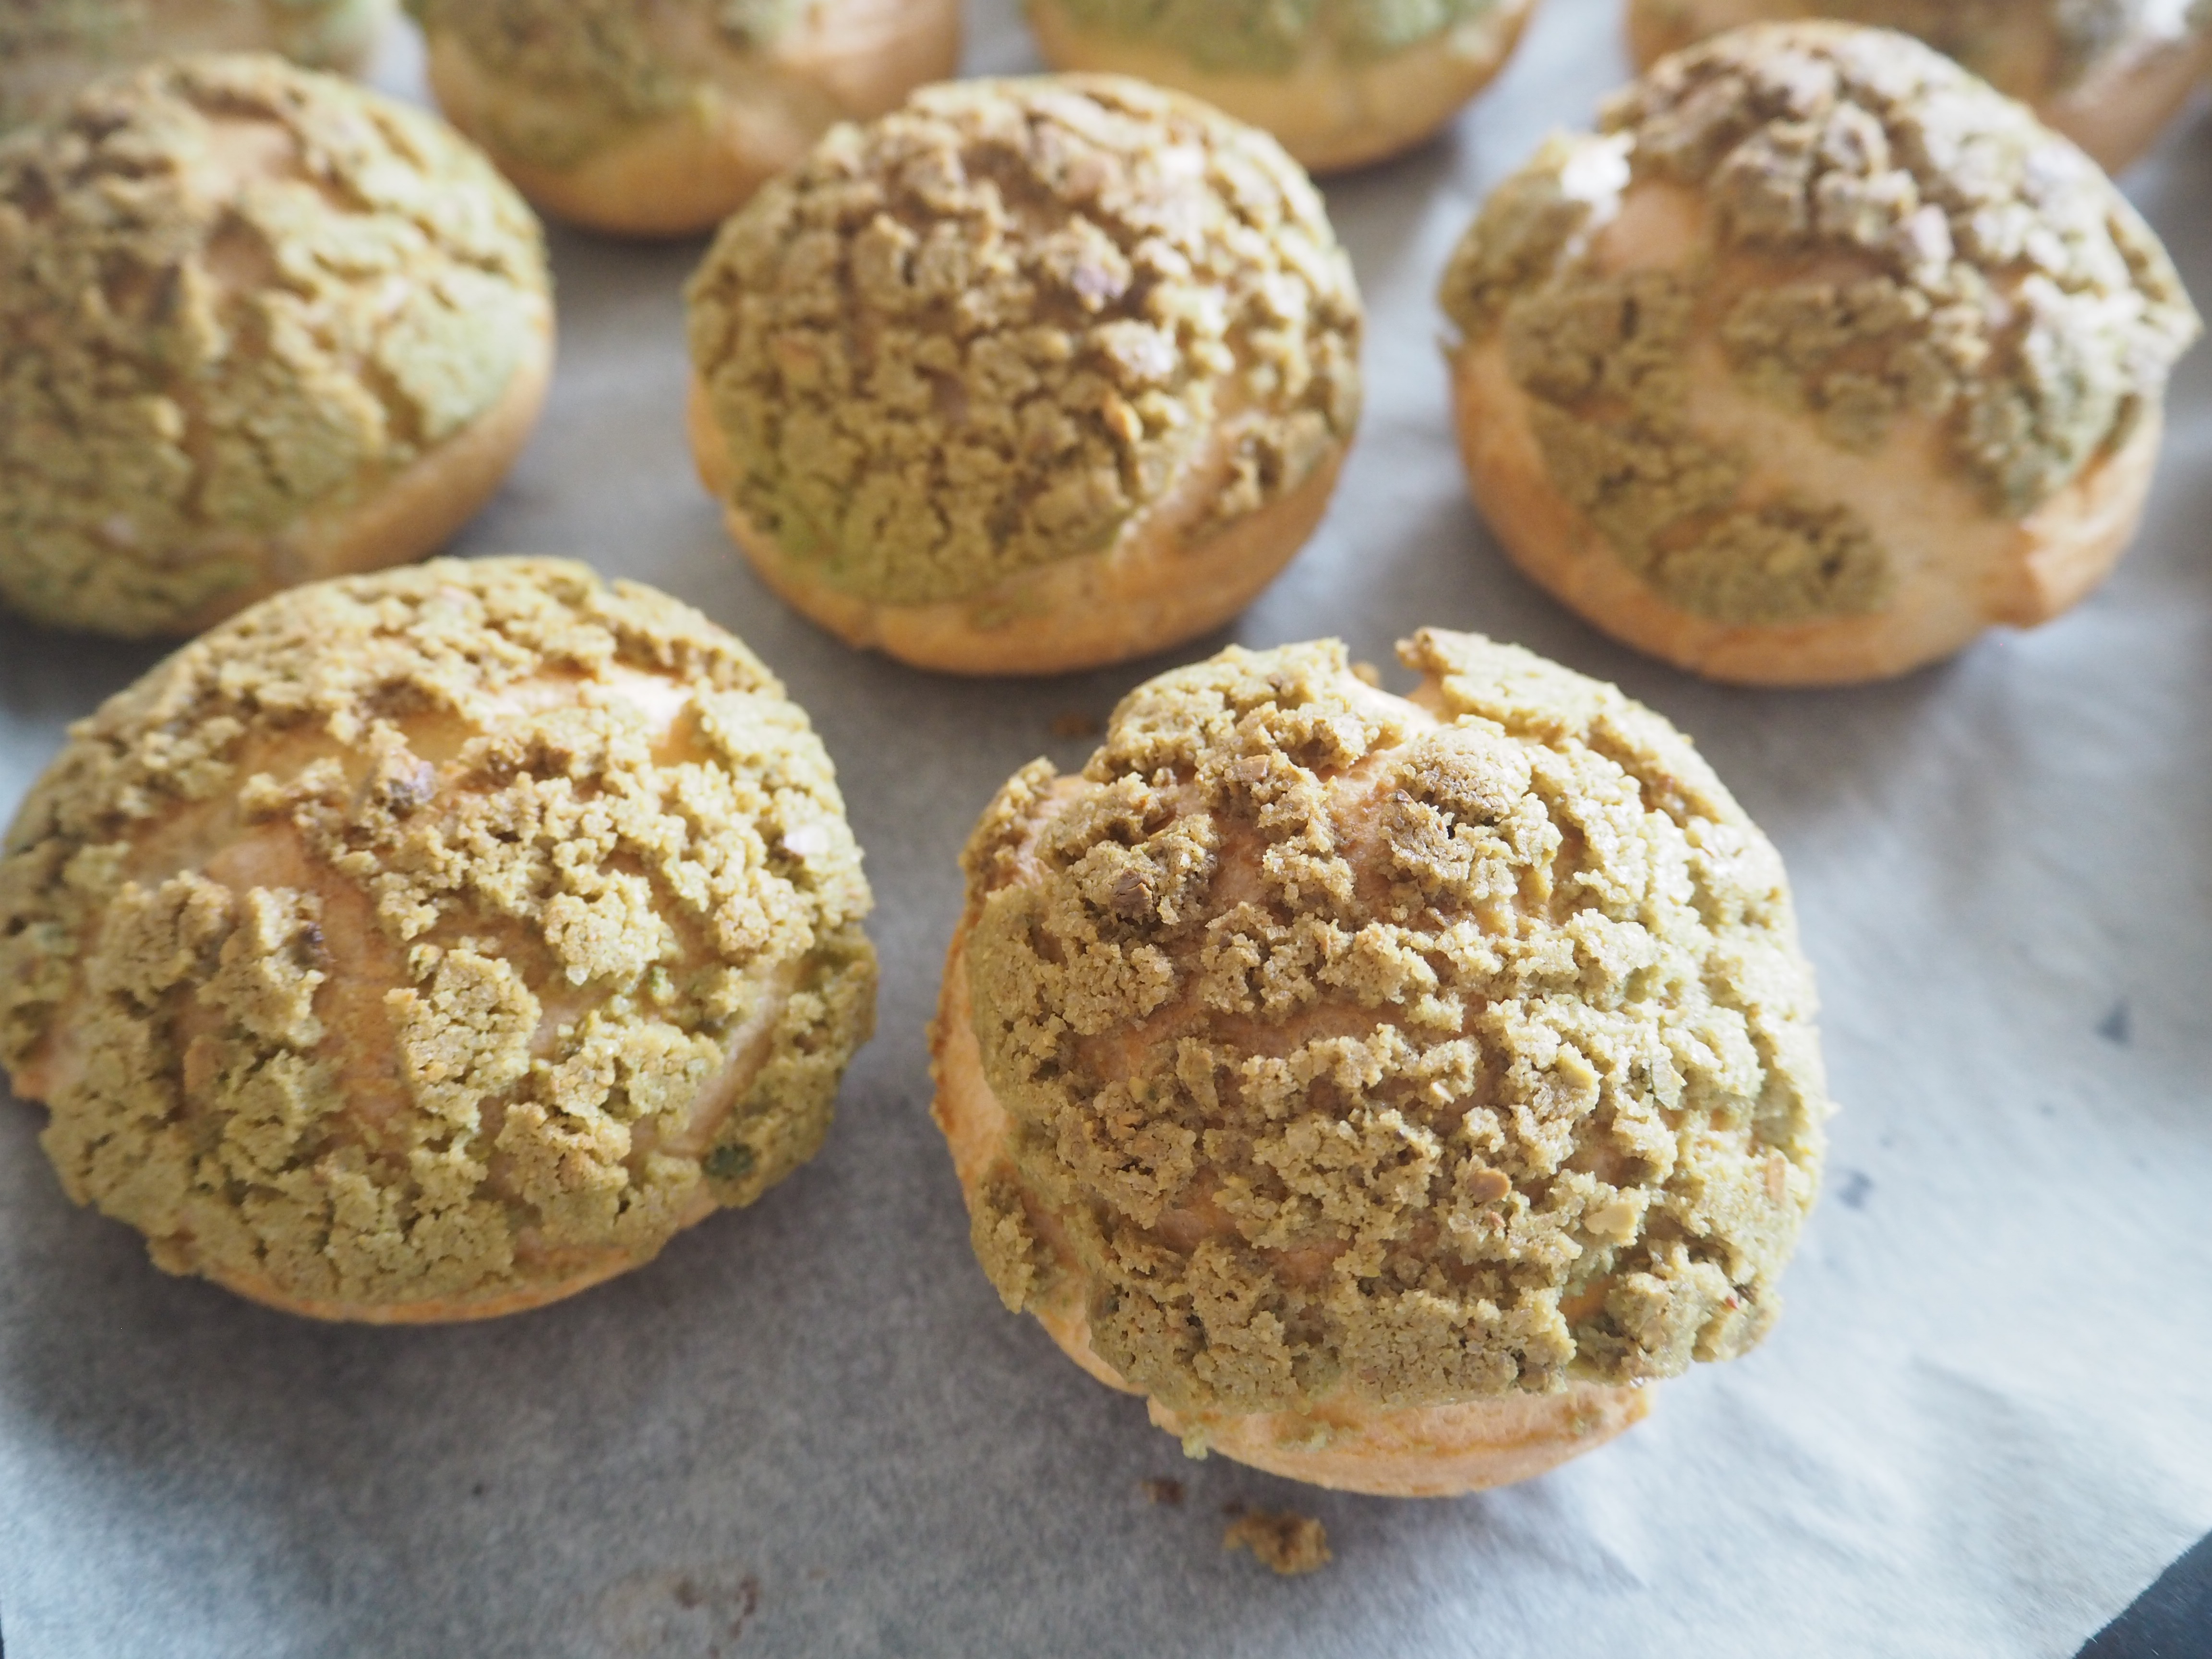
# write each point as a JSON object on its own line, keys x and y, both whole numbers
{"x": 263, "y": 327}
{"x": 1341, "y": 82}
{"x": 2108, "y": 74}
{"x": 435, "y": 943}
{"x": 50, "y": 48}
{"x": 1029, "y": 376}
{"x": 662, "y": 119}
{"x": 1389, "y": 1090}
{"x": 1816, "y": 361}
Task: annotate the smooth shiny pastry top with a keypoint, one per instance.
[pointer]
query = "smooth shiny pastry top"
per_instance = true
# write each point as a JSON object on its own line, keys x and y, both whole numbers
{"x": 997, "y": 328}
{"x": 49, "y": 48}
{"x": 241, "y": 300}
{"x": 433, "y": 943}
{"x": 1380, "y": 1050}
{"x": 1817, "y": 330}
{"x": 2108, "y": 74}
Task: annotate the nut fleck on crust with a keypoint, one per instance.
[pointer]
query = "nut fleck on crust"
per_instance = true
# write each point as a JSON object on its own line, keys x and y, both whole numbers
{"x": 250, "y": 308}
{"x": 1012, "y": 326}
{"x": 1818, "y": 334}
{"x": 434, "y": 943}
{"x": 1357, "y": 1056}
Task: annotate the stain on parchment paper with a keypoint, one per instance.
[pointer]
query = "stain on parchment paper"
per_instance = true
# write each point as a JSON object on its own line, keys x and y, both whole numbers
{"x": 686, "y": 1613}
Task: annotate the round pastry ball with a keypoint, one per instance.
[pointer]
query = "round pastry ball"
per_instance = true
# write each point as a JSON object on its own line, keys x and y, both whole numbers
{"x": 1341, "y": 82}
{"x": 1389, "y": 1088}
{"x": 1030, "y": 375}
{"x": 662, "y": 119}
{"x": 2109, "y": 74}
{"x": 50, "y": 48}
{"x": 263, "y": 327}
{"x": 436, "y": 944}
{"x": 1817, "y": 360}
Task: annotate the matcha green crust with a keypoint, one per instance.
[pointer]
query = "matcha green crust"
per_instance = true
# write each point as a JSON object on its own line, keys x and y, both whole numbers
{"x": 2087, "y": 33}
{"x": 330, "y": 35}
{"x": 1354, "y": 1057}
{"x": 609, "y": 62}
{"x": 581, "y": 917}
{"x": 1272, "y": 37}
{"x": 1887, "y": 236}
{"x": 983, "y": 333}
{"x": 236, "y": 293}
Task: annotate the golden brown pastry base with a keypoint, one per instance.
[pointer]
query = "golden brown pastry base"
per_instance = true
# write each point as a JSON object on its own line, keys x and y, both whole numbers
{"x": 562, "y": 1279}
{"x": 413, "y": 513}
{"x": 2115, "y": 115}
{"x": 1330, "y": 115}
{"x": 1352, "y": 1445}
{"x": 1961, "y": 569}
{"x": 1149, "y": 591}
{"x": 686, "y": 171}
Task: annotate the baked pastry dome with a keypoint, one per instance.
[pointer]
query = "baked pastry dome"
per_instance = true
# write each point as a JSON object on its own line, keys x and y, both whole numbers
{"x": 2108, "y": 74}
{"x": 1818, "y": 359}
{"x": 1341, "y": 82}
{"x": 263, "y": 327}
{"x": 1386, "y": 1088}
{"x": 433, "y": 945}
{"x": 50, "y": 48}
{"x": 1030, "y": 375}
{"x": 661, "y": 119}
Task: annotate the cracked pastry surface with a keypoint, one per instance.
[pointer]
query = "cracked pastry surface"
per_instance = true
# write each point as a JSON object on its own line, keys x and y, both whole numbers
{"x": 263, "y": 325}
{"x": 434, "y": 943}
{"x": 1815, "y": 360}
{"x": 2109, "y": 74}
{"x": 49, "y": 48}
{"x": 1020, "y": 326}
{"x": 662, "y": 119}
{"x": 1341, "y": 82}
{"x": 1324, "y": 1058}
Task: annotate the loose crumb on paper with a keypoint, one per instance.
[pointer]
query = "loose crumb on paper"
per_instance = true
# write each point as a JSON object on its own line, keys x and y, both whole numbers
{"x": 1289, "y": 1543}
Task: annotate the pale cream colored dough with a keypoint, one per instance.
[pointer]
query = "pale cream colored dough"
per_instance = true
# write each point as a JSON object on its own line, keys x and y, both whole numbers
{"x": 1330, "y": 113}
{"x": 760, "y": 112}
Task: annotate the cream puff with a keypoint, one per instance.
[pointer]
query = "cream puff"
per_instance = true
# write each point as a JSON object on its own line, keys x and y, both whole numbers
{"x": 1341, "y": 82}
{"x": 1389, "y": 1089}
{"x": 264, "y": 326}
{"x": 50, "y": 48}
{"x": 1029, "y": 376}
{"x": 1816, "y": 361}
{"x": 662, "y": 119}
{"x": 2109, "y": 74}
{"x": 432, "y": 944}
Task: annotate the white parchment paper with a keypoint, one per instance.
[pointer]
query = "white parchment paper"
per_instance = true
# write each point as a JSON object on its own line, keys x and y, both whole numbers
{"x": 1983, "y": 1423}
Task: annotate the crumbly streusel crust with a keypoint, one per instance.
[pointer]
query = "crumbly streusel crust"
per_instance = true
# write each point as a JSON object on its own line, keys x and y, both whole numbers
{"x": 1272, "y": 37}
{"x": 237, "y": 294}
{"x": 983, "y": 333}
{"x": 381, "y": 947}
{"x": 1406, "y": 1052}
{"x": 609, "y": 61}
{"x": 1884, "y": 237}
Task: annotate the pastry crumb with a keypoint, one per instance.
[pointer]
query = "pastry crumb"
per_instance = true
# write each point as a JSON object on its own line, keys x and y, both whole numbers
{"x": 1288, "y": 1543}
{"x": 1161, "y": 1489}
